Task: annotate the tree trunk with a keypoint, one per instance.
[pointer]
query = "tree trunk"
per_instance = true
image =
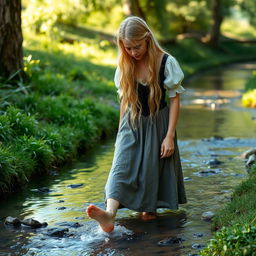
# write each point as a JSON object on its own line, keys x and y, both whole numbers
{"x": 217, "y": 20}
{"x": 132, "y": 7}
{"x": 11, "y": 55}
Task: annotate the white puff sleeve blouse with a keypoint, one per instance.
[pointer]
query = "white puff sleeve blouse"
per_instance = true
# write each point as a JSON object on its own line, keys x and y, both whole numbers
{"x": 173, "y": 77}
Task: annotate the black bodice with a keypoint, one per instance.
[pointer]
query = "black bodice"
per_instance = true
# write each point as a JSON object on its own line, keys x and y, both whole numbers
{"x": 143, "y": 91}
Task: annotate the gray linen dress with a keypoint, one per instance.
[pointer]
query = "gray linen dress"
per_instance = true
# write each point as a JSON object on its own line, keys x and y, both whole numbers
{"x": 139, "y": 179}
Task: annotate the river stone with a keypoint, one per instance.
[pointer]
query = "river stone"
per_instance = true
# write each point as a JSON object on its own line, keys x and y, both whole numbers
{"x": 217, "y": 137}
{"x": 251, "y": 160}
{"x": 75, "y": 185}
{"x": 33, "y": 223}
{"x": 249, "y": 152}
{"x": 207, "y": 215}
{"x": 214, "y": 162}
{"x": 198, "y": 234}
{"x": 57, "y": 232}
{"x": 213, "y": 138}
{"x": 61, "y": 208}
{"x": 187, "y": 179}
{"x": 79, "y": 218}
{"x": 170, "y": 241}
{"x": 70, "y": 224}
{"x": 197, "y": 246}
{"x": 44, "y": 190}
{"x": 208, "y": 172}
{"x": 12, "y": 221}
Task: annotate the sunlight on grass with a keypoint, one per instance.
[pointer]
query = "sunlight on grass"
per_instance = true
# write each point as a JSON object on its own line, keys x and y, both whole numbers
{"x": 243, "y": 29}
{"x": 100, "y": 53}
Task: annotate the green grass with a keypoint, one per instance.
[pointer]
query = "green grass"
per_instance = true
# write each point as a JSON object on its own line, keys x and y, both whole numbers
{"x": 242, "y": 208}
{"x": 236, "y": 222}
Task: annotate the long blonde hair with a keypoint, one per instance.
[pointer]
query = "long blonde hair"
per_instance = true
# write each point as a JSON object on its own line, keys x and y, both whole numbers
{"x": 135, "y": 29}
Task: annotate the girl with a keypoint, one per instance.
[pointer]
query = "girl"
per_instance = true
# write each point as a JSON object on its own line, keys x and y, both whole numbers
{"x": 146, "y": 172}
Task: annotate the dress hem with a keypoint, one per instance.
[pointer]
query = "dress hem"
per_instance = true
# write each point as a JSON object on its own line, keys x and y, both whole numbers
{"x": 124, "y": 205}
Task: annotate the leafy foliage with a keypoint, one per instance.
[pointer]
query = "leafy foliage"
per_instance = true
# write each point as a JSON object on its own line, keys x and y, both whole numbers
{"x": 237, "y": 240}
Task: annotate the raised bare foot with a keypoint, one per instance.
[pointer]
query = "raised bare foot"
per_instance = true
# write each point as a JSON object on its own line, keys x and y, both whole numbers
{"x": 148, "y": 215}
{"x": 105, "y": 219}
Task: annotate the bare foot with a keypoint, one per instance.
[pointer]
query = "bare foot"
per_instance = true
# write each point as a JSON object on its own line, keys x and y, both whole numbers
{"x": 148, "y": 215}
{"x": 105, "y": 219}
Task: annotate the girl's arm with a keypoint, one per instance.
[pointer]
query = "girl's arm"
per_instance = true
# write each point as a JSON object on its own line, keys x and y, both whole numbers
{"x": 167, "y": 147}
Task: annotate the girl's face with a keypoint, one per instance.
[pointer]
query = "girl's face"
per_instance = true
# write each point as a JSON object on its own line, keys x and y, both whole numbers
{"x": 137, "y": 49}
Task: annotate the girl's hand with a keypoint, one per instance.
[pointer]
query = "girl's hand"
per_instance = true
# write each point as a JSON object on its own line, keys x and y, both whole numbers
{"x": 167, "y": 147}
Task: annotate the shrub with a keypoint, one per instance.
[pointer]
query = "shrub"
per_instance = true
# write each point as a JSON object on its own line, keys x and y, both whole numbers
{"x": 63, "y": 141}
{"x": 21, "y": 123}
{"x": 49, "y": 83}
{"x": 231, "y": 241}
{"x": 37, "y": 150}
{"x": 6, "y": 133}
{"x": 15, "y": 165}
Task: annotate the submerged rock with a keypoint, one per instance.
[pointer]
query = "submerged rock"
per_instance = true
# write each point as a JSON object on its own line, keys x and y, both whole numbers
{"x": 198, "y": 234}
{"x": 75, "y": 185}
{"x": 214, "y": 138}
{"x": 70, "y": 224}
{"x": 12, "y": 221}
{"x": 33, "y": 223}
{"x": 170, "y": 241}
{"x": 208, "y": 172}
{"x": 217, "y": 137}
{"x": 44, "y": 190}
{"x": 80, "y": 218}
{"x": 214, "y": 162}
{"x": 57, "y": 232}
{"x": 61, "y": 208}
{"x": 197, "y": 246}
{"x": 208, "y": 215}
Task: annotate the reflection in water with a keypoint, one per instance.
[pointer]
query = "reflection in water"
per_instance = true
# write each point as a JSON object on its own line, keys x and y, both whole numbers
{"x": 198, "y": 122}
{"x": 230, "y": 77}
{"x": 132, "y": 236}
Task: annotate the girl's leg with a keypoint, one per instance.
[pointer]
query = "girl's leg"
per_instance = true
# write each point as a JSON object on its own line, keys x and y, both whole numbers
{"x": 105, "y": 218}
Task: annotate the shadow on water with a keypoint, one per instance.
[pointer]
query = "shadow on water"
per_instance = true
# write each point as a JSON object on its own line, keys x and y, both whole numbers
{"x": 212, "y": 125}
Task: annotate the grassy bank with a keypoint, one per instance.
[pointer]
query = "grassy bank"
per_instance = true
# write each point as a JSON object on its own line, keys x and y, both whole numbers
{"x": 236, "y": 222}
{"x": 69, "y": 100}
{"x": 67, "y": 103}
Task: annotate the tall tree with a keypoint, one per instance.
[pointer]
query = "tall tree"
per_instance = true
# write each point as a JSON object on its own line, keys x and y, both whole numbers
{"x": 217, "y": 18}
{"x": 133, "y": 7}
{"x": 11, "y": 55}
{"x": 220, "y": 10}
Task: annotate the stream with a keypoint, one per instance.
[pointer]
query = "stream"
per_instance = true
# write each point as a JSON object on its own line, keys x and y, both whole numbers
{"x": 212, "y": 125}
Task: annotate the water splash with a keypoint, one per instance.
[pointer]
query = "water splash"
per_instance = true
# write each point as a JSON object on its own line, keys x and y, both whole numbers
{"x": 96, "y": 235}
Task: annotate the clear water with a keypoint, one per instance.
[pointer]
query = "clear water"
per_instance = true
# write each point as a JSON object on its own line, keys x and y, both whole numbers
{"x": 210, "y": 107}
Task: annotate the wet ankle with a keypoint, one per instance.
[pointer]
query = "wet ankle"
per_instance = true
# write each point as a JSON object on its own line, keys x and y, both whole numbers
{"x": 111, "y": 214}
